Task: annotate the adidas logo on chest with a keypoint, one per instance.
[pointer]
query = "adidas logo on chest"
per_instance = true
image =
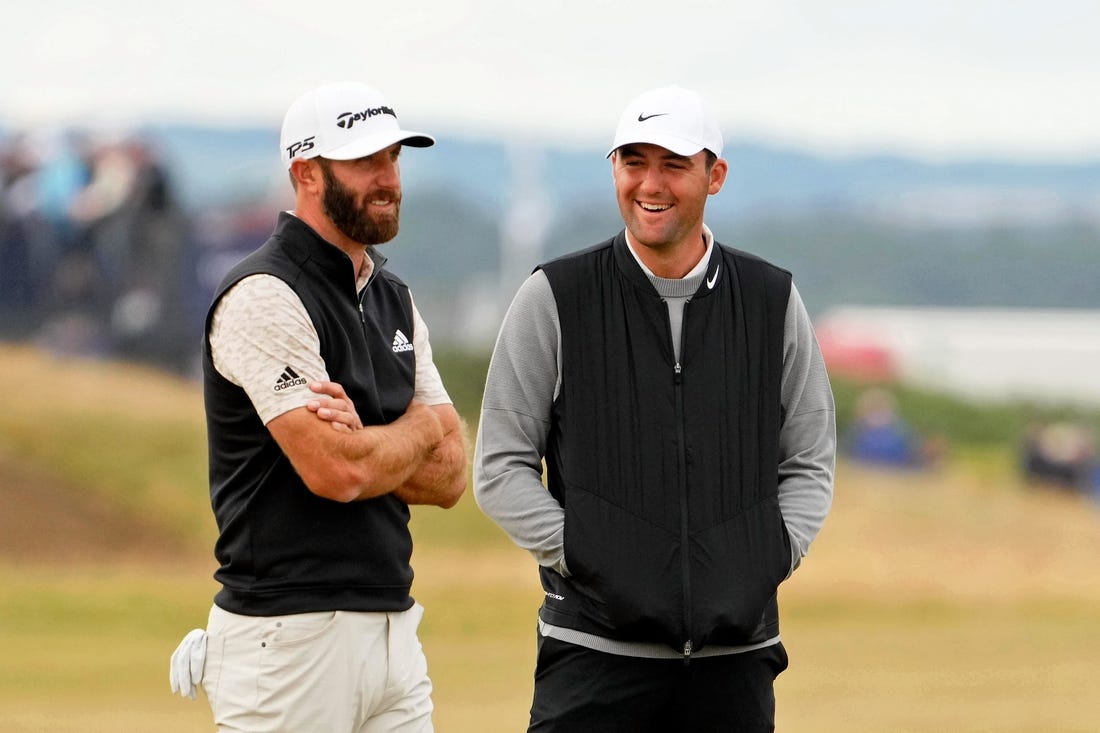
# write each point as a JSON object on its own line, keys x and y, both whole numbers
{"x": 401, "y": 342}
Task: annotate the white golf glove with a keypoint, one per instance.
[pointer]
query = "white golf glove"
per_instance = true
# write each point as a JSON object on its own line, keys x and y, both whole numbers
{"x": 188, "y": 661}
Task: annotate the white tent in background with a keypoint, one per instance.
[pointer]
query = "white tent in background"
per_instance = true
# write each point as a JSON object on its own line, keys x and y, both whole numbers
{"x": 978, "y": 353}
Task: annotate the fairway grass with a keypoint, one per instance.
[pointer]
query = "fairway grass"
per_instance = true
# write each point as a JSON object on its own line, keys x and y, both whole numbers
{"x": 1013, "y": 668}
{"x": 895, "y": 623}
{"x": 952, "y": 601}
{"x": 88, "y": 651}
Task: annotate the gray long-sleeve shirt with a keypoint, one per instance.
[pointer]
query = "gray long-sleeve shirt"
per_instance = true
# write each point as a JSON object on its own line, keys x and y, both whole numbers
{"x": 523, "y": 381}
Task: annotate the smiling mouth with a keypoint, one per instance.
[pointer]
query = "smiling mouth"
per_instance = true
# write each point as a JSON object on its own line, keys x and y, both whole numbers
{"x": 384, "y": 203}
{"x": 383, "y": 197}
{"x": 654, "y": 207}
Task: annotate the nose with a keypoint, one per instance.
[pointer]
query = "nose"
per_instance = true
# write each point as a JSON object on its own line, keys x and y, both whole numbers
{"x": 653, "y": 179}
{"x": 389, "y": 173}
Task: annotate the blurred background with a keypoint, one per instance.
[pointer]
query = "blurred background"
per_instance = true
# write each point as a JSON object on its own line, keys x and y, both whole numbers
{"x": 929, "y": 171}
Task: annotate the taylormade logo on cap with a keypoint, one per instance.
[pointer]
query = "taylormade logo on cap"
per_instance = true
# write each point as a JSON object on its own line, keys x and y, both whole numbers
{"x": 674, "y": 118}
{"x": 343, "y": 121}
{"x": 348, "y": 119}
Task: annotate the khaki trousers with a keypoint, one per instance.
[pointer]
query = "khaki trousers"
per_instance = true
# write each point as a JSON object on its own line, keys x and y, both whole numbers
{"x": 327, "y": 672}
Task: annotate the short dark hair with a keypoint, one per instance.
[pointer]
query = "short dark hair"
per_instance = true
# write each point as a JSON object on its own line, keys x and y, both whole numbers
{"x": 711, "y": 159}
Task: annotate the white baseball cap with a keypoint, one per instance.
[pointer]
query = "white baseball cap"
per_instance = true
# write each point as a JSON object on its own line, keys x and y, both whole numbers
{"x": 343, "y": 121}
{"x": 674, "y": 118}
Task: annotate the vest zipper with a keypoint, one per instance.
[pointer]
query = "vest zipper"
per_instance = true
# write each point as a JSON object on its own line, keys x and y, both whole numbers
{"x": 362, "y": 294}
{"x": 685, "y": 547}
{"x": 685, "y": 561}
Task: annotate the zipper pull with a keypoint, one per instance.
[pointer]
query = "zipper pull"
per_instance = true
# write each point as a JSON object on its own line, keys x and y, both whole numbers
{"x": 687, "y": 652}
{"x": 676, "y": 379}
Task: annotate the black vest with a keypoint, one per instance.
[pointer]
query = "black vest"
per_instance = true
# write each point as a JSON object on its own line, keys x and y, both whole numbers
{"x": 668, "y": 472}
{"x": 283, "y": 549}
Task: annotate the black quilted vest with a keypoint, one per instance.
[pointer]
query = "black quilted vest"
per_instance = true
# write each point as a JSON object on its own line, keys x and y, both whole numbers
{"x": 283, "y": 549}
{"x": 668, "y": 472}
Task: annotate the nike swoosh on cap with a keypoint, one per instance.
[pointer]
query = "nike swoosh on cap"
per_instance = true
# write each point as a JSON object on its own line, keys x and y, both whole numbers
{"x": 643, "y": 118}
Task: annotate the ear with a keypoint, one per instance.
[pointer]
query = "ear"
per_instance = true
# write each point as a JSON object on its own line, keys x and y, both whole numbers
{"x": 307, "y": 173}
{"x": 718, "y": 173}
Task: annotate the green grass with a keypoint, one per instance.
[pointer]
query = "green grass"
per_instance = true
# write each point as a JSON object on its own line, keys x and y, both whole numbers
{"x": 950, "y": 600}
{"x": 464, "y": 374}
{"x": 87, "y": 650}
{"x": 132, "y": 436}
{"x": 137, "y": 437}
{"x": 462, "y": 527}
{"x": 1007, "y": 668}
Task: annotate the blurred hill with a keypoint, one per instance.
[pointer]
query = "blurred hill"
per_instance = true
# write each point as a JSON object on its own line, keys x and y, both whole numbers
{"x": 124, "y": 457}
{"x": 124, "y": 452}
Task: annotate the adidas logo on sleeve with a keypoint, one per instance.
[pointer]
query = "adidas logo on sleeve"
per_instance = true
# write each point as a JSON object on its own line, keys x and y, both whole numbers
{"x": 289, "y": 378}
{"x": 401, "y": 342}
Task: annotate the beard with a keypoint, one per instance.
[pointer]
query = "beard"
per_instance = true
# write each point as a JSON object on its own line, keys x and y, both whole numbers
{"x": 353, "y": 221}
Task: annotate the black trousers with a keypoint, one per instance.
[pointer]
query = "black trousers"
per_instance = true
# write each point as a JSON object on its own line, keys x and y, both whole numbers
{"x": 578, "y": 690}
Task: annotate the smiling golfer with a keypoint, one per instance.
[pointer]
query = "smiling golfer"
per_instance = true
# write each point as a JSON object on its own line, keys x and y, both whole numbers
{"x": 676, "y": 391}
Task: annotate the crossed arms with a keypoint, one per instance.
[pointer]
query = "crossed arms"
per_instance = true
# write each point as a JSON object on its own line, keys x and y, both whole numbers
{"x": 420, "y": 458}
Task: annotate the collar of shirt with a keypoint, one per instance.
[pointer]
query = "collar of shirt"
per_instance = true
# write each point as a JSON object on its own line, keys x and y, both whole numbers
{"x": 700, "y": 266}
{"x": 366, "y": 270}
{"x": 370, "y": 262}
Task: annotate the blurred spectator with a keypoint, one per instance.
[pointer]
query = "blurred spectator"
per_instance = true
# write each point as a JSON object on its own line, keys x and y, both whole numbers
{"x": 148, "y": 265}
{"x": 1060, "y": 455}
{"x": 16, "y": 203}
{"x": 62, "y": 173}
{"x": 93, "y": 249}
{"x": 880, "y": 436}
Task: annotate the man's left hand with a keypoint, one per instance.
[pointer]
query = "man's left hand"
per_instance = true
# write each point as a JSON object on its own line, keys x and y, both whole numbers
{"x": 334, "y": 407}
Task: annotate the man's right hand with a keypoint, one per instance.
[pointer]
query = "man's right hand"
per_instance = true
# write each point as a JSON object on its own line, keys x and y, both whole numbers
{"x": 424, "y": 420}
{"x": 441, "y": 478}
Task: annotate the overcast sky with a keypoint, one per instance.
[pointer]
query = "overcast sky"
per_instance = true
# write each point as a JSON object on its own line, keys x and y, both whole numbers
{"x": 939, "y": 78}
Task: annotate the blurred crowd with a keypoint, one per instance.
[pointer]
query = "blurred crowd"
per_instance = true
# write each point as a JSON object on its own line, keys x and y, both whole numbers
{"x": 879, "y": 435}
{"x": 1061, "y": 455}
{"x": 1054, "y": 455}
{"x": 93, "y": 248}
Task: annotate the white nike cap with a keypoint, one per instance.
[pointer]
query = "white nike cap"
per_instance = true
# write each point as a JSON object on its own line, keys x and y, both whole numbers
{"x": 674, "y": 118}
{"x": 343, "y": 121}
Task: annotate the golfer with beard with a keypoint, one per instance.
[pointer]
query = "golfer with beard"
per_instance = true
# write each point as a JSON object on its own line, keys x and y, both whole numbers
{"x": 326, "y": 419}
